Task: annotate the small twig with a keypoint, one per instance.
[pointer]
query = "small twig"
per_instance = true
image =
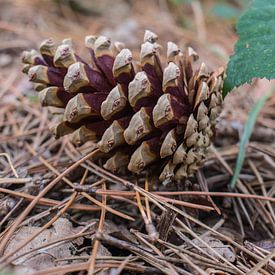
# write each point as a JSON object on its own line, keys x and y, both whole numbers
{"x": 109, "y": 209}
{"x": 199, "y": 19}
{"x": 147, "y": 205}
{"x": 189, "y": 193}
{"x": 122, "y": 265}
{"x": 15, "y": 181}
{"x": 189, "y": 262}
{"x": 82, "y": 193}
{"x": 204, "y": 187}
{"x": 48, "y": 224}
{"x": 51, "y": 244}
{"x": 32, "y": 204}
{"x": 261, "y": 263}
{"x": 10, "y": 212}
{"x": 155, "y": 249}
{"x": 49, "y": 202}
{"x": 8, "y": 257}
{"x": 150, "y": 197}
{"x": 70, "y": 268}
{"x": 92, "y": 260}
{"x": 10, "y": 163}
{"x": 28, "y": 133}
{"x": 141, "y": 209}
{"x": 261, "y": 182}
{"x": 221, "y": 257}
{"x": 146, "y": 256}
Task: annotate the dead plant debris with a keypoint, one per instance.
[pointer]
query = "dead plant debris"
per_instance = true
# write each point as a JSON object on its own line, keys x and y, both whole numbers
{"x": 60, "y": 213}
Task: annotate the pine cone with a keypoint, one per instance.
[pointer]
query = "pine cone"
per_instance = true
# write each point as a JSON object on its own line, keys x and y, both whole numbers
{"x": 139, "y": 113}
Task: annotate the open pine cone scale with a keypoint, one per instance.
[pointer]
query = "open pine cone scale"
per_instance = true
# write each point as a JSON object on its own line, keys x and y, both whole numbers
{"x": 139, "y": 113}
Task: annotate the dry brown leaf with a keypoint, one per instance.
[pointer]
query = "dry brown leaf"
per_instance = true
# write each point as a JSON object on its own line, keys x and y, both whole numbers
{"x": 45, "y": 257}
{"x": 226, "y": 251}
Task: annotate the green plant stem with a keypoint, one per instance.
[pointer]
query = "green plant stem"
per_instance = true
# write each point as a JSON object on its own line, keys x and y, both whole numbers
{"x": 248, "y": 128}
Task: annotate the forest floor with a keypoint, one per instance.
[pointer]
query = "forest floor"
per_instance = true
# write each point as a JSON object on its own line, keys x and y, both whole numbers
{"x": 47, "y": 226}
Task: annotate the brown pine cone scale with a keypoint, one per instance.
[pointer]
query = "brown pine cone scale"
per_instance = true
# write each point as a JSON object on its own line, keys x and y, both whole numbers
{"x": 142, "y": 113}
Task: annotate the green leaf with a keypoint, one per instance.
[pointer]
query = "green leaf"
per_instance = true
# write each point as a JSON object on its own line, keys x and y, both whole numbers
{"x": 6, "y": 272}
{"x": 178, "y": 2}
{"x": 248, "y": 128}
{"x": 32, "y": 99}
{"x": 255, "y": 50}
{"x": 226, "y": 11}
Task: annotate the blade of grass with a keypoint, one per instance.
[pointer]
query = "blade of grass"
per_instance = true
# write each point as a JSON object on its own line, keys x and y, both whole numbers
{"x": 248, "y": 128}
